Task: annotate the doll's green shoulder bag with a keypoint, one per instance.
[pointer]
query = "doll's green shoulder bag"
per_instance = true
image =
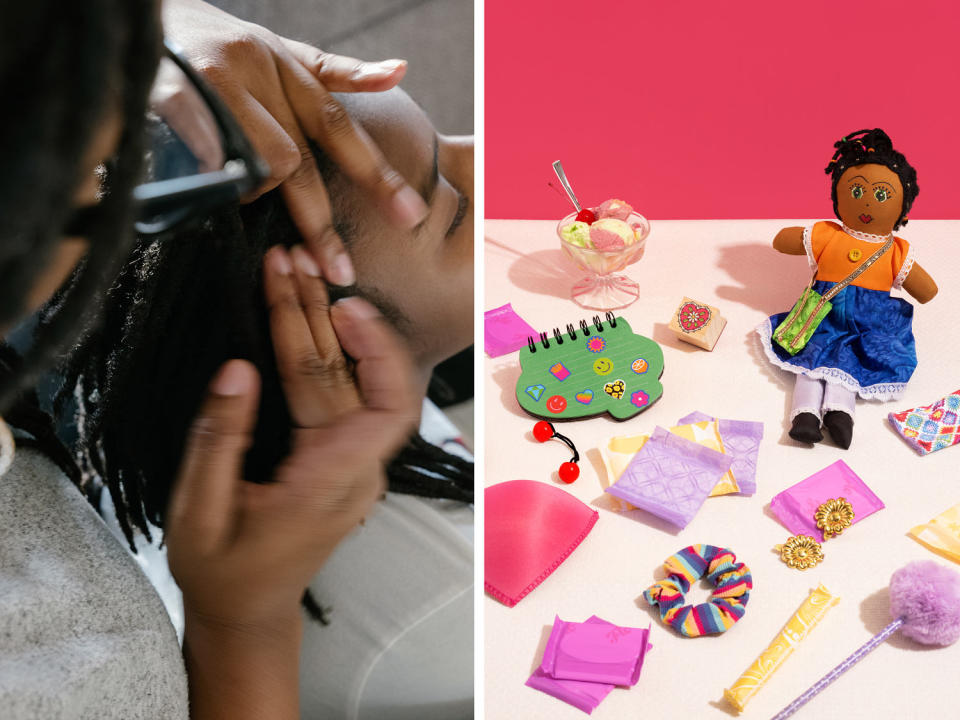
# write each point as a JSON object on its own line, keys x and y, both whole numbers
{"x": 808, "y": 312}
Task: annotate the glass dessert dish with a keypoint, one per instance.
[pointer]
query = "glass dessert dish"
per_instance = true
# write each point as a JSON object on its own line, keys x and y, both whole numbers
{"x": 604, "y": 288}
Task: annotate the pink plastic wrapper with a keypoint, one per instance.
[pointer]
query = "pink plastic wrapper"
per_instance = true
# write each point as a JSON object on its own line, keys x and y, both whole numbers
{"x": 741, "y": 441}
{"x": 796, "y": 506}
{"x": 504, "y": 331}
{"x": 582, "y": 695}
{"x": 670, "y": 477}
{"x": 595, "y": 652}
{"x": 529, "y": 529}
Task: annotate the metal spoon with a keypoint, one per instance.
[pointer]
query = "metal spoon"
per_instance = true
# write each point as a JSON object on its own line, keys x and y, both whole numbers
{"x": 562, "y": 177}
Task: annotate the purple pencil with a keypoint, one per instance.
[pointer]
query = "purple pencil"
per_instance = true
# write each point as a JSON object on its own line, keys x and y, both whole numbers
{"x": 924, "y": 601}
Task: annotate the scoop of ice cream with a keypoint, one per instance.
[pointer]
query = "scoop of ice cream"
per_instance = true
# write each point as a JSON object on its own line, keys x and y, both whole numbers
{"x": 576, "y": 233}
{"x": 614, "y": 208}
{"x": 611, "y": 234}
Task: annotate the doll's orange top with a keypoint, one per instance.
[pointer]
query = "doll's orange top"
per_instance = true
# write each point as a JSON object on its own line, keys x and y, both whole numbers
{"x": 836, "y": 252}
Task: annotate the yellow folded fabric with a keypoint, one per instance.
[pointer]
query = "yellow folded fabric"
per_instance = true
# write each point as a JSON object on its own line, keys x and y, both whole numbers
{"x": 619, "y": 451}
{"x": 942, "y": 534}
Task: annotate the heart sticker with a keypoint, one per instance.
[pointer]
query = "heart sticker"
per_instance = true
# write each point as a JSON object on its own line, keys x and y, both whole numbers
{"x": 584, "y": 396}
{"x": 692, "y": 317}
{"x": 615, "y": 388}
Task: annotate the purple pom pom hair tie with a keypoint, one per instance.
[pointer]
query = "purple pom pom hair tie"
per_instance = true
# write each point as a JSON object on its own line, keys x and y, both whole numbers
{"x": 924, "y": 603}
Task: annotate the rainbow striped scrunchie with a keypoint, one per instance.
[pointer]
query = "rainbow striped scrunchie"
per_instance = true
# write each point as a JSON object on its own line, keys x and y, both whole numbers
{"x": 727, "y": 603}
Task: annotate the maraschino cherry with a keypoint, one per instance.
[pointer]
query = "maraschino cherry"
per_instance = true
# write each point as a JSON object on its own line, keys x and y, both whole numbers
{"x": 587, "y": 215}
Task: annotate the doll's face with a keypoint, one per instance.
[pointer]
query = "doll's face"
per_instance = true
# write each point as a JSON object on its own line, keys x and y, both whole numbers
{"x": 869, "y": 198}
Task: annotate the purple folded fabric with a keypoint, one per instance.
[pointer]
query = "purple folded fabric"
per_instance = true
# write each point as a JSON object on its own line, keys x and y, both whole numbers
{"x": 597, "y": 652}
{"x": 796, "y": 506}
{"x": 670, "y": 477}
{"x": 504, "y": 331}
{"x": 695, "y": 417}
{"x": 582, "y": 694}
{"x": 741, "y": 441}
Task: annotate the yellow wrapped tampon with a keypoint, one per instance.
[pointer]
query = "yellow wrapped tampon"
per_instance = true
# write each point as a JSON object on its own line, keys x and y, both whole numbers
{"x": 804, "y": 619}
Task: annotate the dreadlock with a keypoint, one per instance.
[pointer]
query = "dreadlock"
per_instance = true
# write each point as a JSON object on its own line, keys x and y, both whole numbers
{"x": 182, "y": 305}
{"x": 97, "y": 55}
{"x": 873, "y": 147}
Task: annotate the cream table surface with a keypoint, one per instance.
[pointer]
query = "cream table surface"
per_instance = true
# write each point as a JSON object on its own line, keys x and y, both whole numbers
{"x": 729, "y": 264}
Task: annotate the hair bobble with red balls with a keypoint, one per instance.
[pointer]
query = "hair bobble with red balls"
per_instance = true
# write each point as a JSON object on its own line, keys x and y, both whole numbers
{"x": 569, "y": 471}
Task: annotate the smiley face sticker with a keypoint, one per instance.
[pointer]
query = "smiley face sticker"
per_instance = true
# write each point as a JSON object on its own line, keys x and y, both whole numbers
{"x": 556, "y": 404}
{"x": 603, "y": 366}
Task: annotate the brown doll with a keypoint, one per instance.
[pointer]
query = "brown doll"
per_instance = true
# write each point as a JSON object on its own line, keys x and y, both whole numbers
{"x": 864, "y": 346}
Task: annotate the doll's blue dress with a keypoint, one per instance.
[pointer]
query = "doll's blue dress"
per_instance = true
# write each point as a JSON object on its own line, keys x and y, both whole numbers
{"x": 865, "y": 343}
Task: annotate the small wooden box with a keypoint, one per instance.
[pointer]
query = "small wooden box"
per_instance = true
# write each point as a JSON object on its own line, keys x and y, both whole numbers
{"x": 697, "y": 323}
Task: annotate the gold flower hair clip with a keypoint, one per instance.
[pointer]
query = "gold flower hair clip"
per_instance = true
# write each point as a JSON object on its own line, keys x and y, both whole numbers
{"x": 803, "y": 551}
{"x": 834, "y": 516}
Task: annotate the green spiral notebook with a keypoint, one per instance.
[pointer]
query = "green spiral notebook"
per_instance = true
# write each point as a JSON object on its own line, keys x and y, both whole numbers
{"x": 602, "y": 367}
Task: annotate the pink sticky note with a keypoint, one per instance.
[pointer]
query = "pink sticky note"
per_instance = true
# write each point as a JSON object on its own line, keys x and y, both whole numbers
{"x": 504, "y": 331}
{"x": 595, "y": 652}
{"x": 796, "y": 506}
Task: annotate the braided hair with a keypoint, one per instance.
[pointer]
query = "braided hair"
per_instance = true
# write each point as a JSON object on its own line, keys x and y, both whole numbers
{"x": 96, "y": 55}
{"x": 872, "y": 147}
{"x": 183, "y": 304}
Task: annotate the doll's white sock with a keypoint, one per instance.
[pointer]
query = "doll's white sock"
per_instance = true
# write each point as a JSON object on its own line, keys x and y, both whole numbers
{"x": 837, "y": 397}
{"x": 807, "y": 397}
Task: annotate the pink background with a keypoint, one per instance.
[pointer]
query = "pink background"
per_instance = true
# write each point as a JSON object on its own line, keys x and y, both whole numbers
{"x": 714, "y": 110}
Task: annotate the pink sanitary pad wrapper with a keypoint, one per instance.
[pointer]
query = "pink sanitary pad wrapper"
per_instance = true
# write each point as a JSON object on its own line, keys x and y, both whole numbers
{"x": 582, "y": 695}
{"x": 596, "y": 652}
{"x": 796, "y": 506}
{"x": 530, "y": 528}
{"x": 504, "y": 331}
{"x": 670, "y": 477}
{"x": 741, "y": 441}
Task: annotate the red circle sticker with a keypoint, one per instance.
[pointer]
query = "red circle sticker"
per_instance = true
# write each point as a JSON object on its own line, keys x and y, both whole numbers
{"x": 556, "y": 404}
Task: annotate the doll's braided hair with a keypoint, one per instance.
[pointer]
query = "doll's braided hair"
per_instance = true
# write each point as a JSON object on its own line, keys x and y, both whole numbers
{"x": 872, "y": 147}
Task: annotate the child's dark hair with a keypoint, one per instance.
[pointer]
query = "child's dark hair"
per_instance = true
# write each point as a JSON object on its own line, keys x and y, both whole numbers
{"x": 184, "y": 304}
{"x": 95, "y": 56}
{"x": 873, "y": 147}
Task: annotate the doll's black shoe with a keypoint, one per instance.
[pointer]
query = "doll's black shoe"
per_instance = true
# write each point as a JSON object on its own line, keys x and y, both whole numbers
{"x": 840, "y": 425}
{"x": 806, "y": 428}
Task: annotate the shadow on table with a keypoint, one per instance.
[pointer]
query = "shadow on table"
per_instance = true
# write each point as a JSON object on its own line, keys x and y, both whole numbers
{"x": 506, "y": 377}
{"x": 768, "y": 281}
{"x": 545, "y": 272}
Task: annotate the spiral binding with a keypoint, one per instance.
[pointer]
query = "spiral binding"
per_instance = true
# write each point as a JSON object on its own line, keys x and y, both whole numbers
{"x": 571, "y": 331}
